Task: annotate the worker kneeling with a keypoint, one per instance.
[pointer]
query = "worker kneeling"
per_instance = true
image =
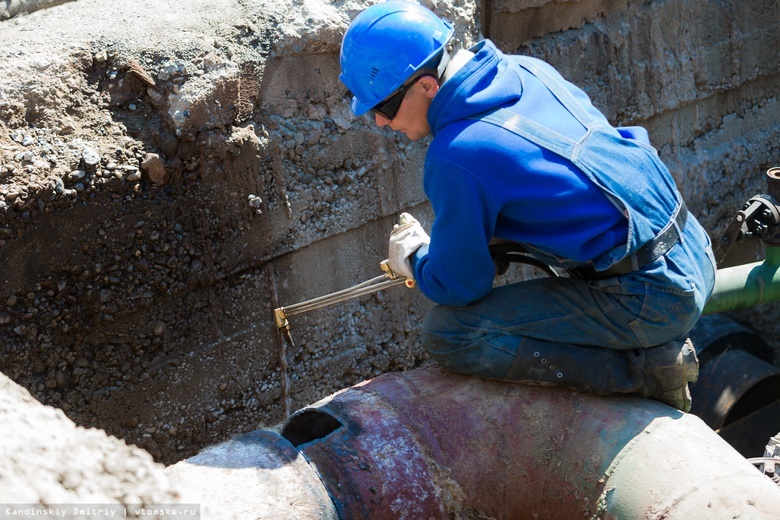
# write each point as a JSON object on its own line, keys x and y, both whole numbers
{"x": 519, "y": 154}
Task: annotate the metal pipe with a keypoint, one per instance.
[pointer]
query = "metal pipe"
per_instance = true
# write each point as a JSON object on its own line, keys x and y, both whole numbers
{"x": 746, "y": 285}
{"x": 738, "y": 390}
{"x": 430, "y": 444}
{"x": 730, "y": 378}
{"x": 258, "y": 475}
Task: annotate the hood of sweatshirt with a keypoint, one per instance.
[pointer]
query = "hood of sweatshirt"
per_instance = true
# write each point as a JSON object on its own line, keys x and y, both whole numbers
{"x": 475, "y": 88}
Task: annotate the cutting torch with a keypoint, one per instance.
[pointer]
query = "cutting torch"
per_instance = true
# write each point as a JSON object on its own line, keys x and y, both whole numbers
{"x": 384, "y": 281}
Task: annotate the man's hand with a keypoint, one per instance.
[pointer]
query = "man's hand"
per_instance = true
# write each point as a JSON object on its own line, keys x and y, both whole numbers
{"x": 406, "y": 238}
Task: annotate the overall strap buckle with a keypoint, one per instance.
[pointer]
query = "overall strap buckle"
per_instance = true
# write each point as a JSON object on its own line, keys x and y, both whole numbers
{"x": 661, "y": 244}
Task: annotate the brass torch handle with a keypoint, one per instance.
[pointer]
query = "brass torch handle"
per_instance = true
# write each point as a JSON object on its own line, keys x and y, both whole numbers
{"x": 385, "y": 265}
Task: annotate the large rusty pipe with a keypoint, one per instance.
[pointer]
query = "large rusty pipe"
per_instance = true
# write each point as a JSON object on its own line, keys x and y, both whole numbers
{"x": 429, "y": 444}
{"x": 738, "y": 390}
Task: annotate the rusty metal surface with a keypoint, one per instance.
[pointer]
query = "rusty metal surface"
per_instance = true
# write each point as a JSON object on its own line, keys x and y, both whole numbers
{"x": 426, "y": 444}
{"x": 682, "y": 470}
{"x": 375, "y": 466}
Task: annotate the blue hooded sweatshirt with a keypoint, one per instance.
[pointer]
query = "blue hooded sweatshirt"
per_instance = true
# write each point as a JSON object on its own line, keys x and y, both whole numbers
{"x": 485, "y": 182}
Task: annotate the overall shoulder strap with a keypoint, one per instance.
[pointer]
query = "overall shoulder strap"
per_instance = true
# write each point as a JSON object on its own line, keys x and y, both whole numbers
{"x": 536, "y": 132}
{"x": 556, "y": 86}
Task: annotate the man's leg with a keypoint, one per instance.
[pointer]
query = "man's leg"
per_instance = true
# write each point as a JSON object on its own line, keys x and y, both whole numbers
{"x": 562, "y": 310}
{"x": 662, "y": 372}
{"x": 554, "y": 331}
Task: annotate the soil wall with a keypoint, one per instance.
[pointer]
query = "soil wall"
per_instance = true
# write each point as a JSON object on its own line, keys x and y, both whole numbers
{"x": 170, "y": 177}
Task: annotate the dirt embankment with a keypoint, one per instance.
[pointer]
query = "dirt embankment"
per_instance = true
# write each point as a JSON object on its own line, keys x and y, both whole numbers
{"x": 166, "y": 180}
{"x": 49, "y": 460}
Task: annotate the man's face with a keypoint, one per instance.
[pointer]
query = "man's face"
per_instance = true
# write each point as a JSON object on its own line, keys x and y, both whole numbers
{"x": 411, "y": 118}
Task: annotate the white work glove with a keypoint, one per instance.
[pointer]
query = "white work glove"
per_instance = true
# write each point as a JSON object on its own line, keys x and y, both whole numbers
{"x": 406, "y": 238}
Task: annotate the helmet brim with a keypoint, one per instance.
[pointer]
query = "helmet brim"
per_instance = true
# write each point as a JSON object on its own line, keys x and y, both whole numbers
{"x": 358, "y": 107}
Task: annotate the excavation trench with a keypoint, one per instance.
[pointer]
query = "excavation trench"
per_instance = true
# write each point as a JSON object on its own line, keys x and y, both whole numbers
{"x": 163, "y": 191}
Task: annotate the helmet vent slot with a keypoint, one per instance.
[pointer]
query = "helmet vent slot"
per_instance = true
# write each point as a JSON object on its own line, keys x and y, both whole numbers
{"x": 374, "y": 73}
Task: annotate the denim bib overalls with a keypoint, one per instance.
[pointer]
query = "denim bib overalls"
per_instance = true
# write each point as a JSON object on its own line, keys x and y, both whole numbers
{"x": 654, "y": 304}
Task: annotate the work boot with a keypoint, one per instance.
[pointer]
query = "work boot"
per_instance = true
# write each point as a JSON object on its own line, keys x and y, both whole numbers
{"x": 667, "y": 370}
{"x": 661, "y": 373}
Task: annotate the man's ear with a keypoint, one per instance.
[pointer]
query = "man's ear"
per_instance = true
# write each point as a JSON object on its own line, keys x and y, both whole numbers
{"x": 430, "y": 86}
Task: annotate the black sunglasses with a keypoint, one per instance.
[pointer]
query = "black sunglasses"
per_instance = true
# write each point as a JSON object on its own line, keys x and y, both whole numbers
{"x": 389, "y": 107}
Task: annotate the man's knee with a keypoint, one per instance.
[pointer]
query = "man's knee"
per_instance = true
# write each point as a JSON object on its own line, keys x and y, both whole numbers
{"x": 464, "y": 352}
{"x": 442, "y": 338}
{"x": 438, "y": 320}
{"x": 458, "y": 358}
{"x": 441, "y": 346}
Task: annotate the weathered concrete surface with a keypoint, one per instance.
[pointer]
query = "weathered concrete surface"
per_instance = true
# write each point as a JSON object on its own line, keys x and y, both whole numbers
{"x": 139, "y": 300}
{"x": 510, "y": 22}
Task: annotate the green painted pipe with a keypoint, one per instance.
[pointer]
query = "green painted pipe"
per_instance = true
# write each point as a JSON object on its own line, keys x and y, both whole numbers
{"x": 746, "y": 285}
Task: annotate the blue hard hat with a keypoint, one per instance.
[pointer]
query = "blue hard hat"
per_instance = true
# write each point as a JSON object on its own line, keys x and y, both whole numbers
{"x": 385, "y": 45}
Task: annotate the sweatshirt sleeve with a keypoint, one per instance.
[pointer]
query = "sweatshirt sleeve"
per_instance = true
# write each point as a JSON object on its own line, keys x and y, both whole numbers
{"x": 456, "y": 268}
